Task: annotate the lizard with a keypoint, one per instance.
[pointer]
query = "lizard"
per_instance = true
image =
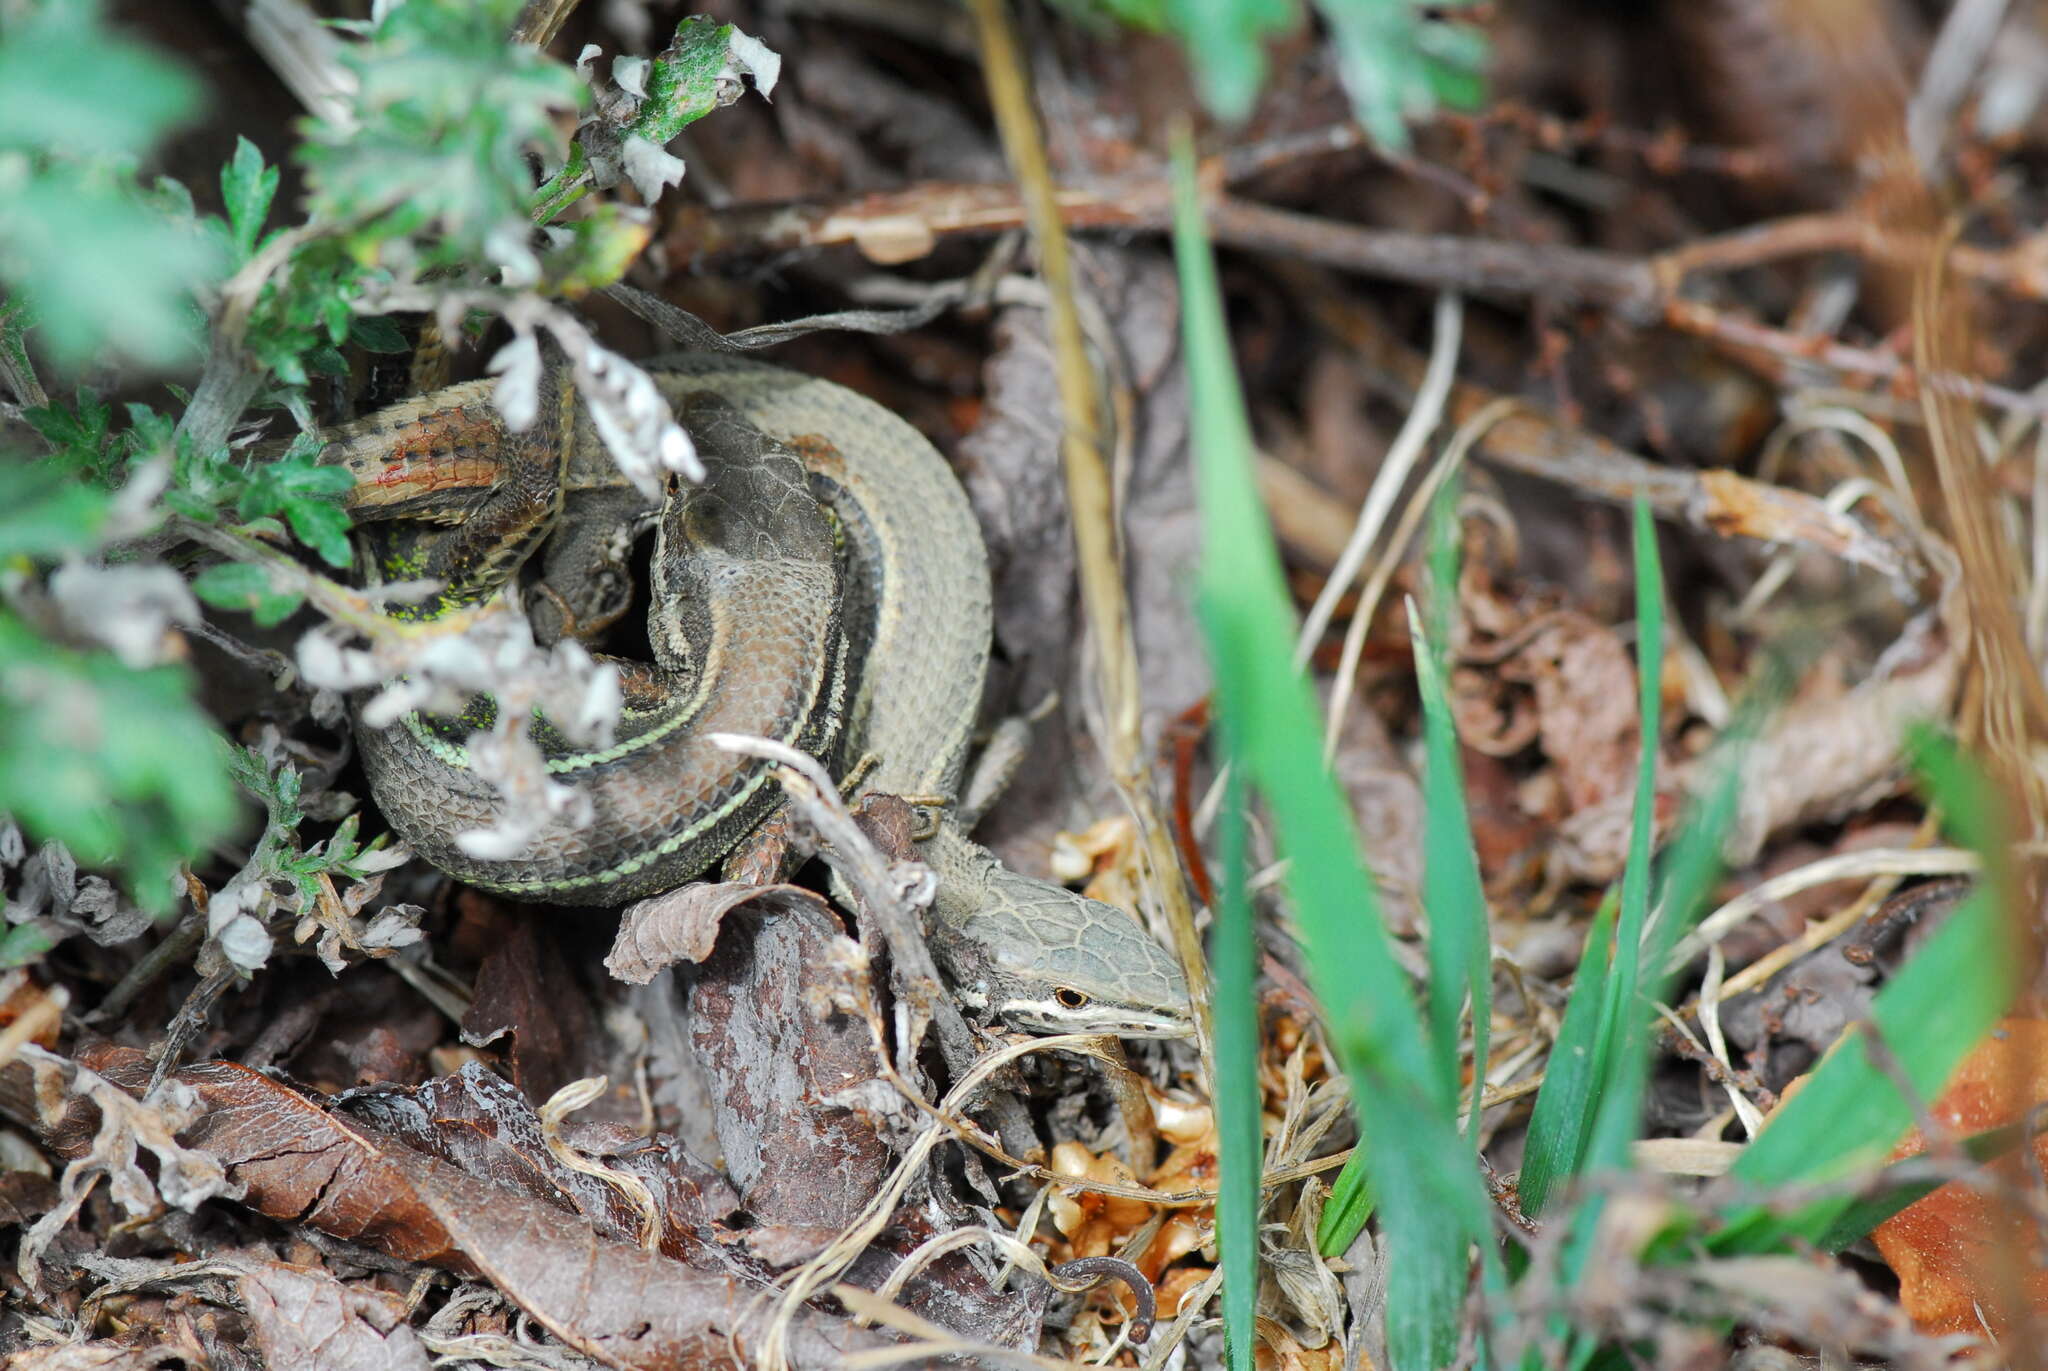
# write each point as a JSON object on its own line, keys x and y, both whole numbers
{"x": 915, "y": 624}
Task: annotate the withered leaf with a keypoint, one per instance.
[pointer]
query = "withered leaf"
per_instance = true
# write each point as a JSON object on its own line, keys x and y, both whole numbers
{"x": 682, "y": 925}
{"x": 630, "y": 1309}
{"x": 482, "y": 1124}
{"x": 798, "y": 1101}
{"x": 303, "y": 1317}
{"x": 524, "y": 991}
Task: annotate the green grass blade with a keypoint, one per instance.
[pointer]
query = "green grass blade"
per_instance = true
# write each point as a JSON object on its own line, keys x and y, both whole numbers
{"x": 1233, "y": 960}
{"x": 1849, "y": 1114}
{"x": 1562, "y": 1119}
{"x": 1432, "y": 1207}
{"x": 1460, "y": 941}
{"x": 1619, "y": 1013}
{"x": 1905, "y": 1183}
{"x": 1347, "y": 1209}
{"x": 1594, "y": 1071}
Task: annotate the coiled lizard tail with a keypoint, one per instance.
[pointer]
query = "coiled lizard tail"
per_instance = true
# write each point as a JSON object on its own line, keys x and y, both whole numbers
{"x": 745, "y": 627}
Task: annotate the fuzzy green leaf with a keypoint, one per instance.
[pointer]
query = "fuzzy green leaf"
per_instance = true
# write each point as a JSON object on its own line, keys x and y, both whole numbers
{"x": 118, "y": 765}
{"x": 247, "y": 187}
{"x": 77, "y": 88}
{"x": 45, "y": 511}
{"x": 322, "y": 527}
{"x": 241, "y": 586}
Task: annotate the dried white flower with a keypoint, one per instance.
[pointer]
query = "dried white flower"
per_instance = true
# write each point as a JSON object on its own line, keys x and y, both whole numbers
{"x": 505, "y": 247}
{"x": 632, "y": 418}
{"x": 651, "y": 169}
{"x": 749, "y": 56}
{"x": 233, "y": 901}
{"x": 517, "y": 367}
{"x": 629, "y": 74}
{"x": 395, "y": 926}
{"x": 245, "y": 943}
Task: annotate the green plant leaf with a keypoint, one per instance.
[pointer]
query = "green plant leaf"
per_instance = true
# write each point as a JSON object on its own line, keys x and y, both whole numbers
{"x": 1849, "y": 1113}
{"x": 45, "y": 511}
{"x": 1233, "y": 960}
{"x": 77, "y": 88}
{"x": 1226, "y": 43}
{"x": 1563, "y": 1115}
{"x": 322, "y": 527}
{"x": 446, "y": 114}
{"x": 247, "y": 188}
{"x": 1460, "y": 944}
{"x": 1622, "y": 1057}
{"x": 101, "y": 264}
{"x": 297, "y": 486}
{"x": 1399, "y": 63}
{"x": 375, "y": 333}
{"x": 691, "y": 77}
{"x": 101, "y": 268}
{"x": 118, "y": 765}
{"x": 241, "y": 586}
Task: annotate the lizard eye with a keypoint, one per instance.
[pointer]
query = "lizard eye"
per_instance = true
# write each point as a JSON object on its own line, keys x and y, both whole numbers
{"x": 1069, "y": 997}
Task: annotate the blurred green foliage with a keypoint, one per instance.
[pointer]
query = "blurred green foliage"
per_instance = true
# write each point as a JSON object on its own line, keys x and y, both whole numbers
{"x": 1400, "y": 59}
{"x": 105, "y": 267}
{"x": 117, "y": 764}
{"x": 427, "y": 173}
{"x": 433, "y": 153}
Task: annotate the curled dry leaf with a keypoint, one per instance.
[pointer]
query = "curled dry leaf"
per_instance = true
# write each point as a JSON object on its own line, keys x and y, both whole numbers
{"x": 1584, "y": 681}
{"x": 481, "y": 1123}
{"x": 682, "y": 925}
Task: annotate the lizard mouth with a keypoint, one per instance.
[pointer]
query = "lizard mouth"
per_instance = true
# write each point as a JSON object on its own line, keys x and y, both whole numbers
{"x": 1112, "y": 1021}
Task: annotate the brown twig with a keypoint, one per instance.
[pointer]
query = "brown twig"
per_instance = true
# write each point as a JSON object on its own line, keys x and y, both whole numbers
{"x": 1533, "y": 442}
{"x": 1090, "y": 492}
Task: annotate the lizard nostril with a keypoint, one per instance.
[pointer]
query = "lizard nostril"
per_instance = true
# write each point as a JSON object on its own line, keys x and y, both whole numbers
{"x": 1069, "y": 997}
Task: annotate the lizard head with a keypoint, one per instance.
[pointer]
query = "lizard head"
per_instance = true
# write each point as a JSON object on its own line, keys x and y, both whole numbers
{"x": 1045, "y": 960}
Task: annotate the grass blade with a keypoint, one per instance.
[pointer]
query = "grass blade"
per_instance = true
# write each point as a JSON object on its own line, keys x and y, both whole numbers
{"x": 1559, "y": 1126}
{"x": 1233, "y": 960}
{"x": 1596, "y": 1045}
{"x": 1460, "y": 942}
{"x": 1620, "y": 1018}
{"x": 1432, "y": 1208}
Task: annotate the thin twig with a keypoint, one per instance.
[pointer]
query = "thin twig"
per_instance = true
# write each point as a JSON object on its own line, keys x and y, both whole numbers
{"x": 1408, "y": 445}
{"x": 890, "y": 892}
{"x": 1090, "y": 494}
{"x": 1843, "y": 866}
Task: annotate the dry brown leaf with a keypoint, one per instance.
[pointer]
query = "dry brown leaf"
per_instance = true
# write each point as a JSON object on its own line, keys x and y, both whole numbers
{"x": 303, "y": 1317}
{"x": 800, "y": 1103}
{"x": 526, "y": 992}
{"x": 1964, "y": 1252}
{"x": 682, "y": 925}
{"x": 630, "y": 1309}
